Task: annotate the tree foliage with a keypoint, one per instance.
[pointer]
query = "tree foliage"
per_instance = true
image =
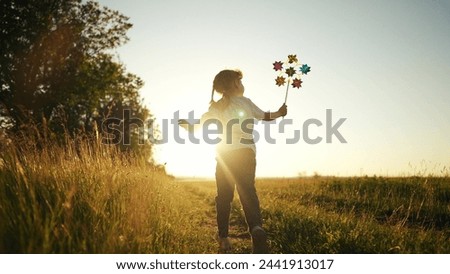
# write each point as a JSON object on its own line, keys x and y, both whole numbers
{"x": 58, "y": 66}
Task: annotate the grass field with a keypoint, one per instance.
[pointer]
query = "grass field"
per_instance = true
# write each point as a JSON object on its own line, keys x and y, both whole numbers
{"x": 347, "y": 215}
{"x": 93, "y": 199}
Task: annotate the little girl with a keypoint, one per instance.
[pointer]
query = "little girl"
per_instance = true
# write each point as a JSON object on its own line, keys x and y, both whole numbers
{"x": 236, "y": 161}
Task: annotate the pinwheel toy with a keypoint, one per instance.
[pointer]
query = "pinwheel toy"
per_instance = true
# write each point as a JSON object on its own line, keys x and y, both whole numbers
{"x": 290, "y": 70}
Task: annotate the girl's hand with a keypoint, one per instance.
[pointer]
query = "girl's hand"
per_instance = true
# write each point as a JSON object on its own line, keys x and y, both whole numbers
{"x": 283, "y": 110}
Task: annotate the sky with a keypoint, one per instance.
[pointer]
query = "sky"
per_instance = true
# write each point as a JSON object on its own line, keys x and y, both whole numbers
{"x": 384, "y": 66}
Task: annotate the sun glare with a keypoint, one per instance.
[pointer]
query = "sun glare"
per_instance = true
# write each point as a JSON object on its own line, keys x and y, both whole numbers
{"x": 192, "y": 160}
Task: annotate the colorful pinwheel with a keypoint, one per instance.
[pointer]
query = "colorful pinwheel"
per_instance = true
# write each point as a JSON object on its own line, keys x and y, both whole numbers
{"x": 290, "y": 70}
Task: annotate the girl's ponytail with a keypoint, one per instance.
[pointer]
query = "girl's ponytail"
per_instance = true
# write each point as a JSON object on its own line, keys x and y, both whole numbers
{"x": 212, "y": 97}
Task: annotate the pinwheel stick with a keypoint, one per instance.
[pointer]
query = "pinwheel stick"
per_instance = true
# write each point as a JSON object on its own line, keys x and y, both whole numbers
{"x": 287, "y": 89}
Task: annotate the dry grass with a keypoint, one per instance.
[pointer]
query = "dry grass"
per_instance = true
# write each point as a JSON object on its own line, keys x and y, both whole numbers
{"x": 84, "y": 197}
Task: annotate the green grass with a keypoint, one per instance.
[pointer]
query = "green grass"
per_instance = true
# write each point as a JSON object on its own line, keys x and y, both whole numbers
{"x": 358, "y": 215}
{"x": 93, "y": 199}
{"x": 350, "y": 215}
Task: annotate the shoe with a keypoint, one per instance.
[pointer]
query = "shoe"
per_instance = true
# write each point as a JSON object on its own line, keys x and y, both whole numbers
{"x": 224, "y": 244}
{"x": 259, "y": 240}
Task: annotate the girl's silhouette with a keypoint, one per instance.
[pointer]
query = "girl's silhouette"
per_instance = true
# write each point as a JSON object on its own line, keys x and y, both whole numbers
{"x": 236, "y": 163}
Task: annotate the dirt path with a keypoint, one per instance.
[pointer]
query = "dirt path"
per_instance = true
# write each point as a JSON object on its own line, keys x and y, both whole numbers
{"x": 201, "y": 195}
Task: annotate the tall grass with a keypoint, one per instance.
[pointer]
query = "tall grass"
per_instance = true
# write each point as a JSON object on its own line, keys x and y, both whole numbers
{"x": 358, "y": 215}
{"x": 80, "y": 196}
{"x": 85, "y": 197}
{"x": 348, "y": 215}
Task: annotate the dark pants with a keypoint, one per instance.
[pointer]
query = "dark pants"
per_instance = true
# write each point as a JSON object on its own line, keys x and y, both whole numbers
{"x": 236, "y": 169}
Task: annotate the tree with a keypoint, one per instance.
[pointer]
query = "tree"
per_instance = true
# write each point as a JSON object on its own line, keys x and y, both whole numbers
{"x": 58, "y": 69}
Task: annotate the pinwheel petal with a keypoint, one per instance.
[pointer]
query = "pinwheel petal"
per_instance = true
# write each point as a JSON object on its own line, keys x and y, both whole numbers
{"x": 290, "y": 71}
{"x": 305, "y": 69}
{"x": 292, "y": 58}
{"x": 277, "y": 66}
{"x": 297, "y": 83}
{"x": 280, "y": 81}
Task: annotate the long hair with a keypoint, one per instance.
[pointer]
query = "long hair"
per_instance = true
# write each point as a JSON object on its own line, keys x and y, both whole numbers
{"x": 223, "y": 84}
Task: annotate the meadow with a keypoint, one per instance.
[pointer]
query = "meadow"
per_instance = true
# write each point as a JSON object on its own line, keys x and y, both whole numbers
{"x": 84, "y": 197}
